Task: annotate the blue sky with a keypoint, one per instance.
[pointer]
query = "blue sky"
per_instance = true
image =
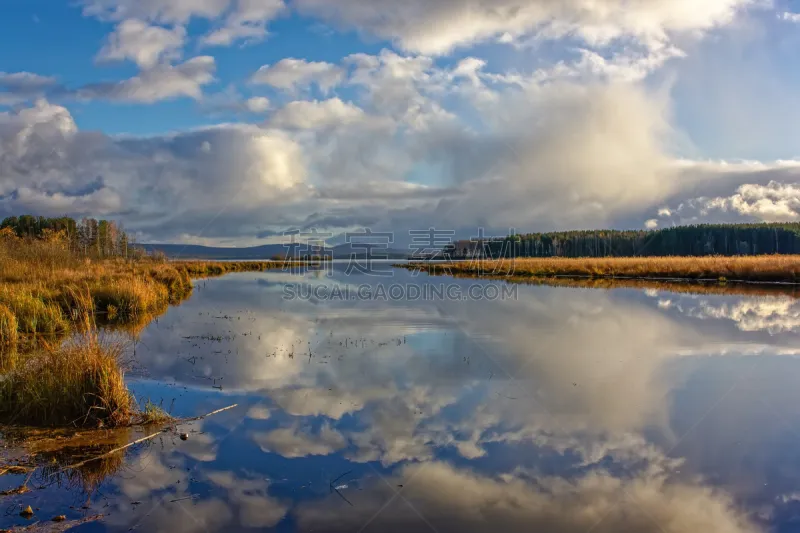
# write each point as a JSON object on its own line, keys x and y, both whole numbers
{"x": 267, "y": 115}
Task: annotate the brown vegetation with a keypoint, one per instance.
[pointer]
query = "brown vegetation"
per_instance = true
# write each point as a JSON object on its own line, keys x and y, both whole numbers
{"x": 39, "y": 277}
{"x": 80, "y": 382}
{"x": 49, "y": 293}
{"x": 765, "y": 268}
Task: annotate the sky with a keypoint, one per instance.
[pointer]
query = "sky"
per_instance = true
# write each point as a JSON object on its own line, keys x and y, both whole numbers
{"x": 231, "y": 122}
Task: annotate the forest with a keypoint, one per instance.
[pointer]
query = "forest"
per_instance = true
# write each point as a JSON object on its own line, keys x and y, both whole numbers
{"x": 697, "y": 240}
{"x": 89, "y": 237}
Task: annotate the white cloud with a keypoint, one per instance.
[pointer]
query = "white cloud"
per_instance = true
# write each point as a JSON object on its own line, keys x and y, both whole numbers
{"x": 583, "y": 143}
{"x": 47, "y": 163}
{"x": 247, "y": 20}
{"x": 162, "y": 11}
{"x": 142, "y": 43}
{"x": 589, "y": 153}
{"x": 31, "y": 137}
{"x": 312, "y": 115}
{"x": 162, "y": 82}
{"x": 628, "y": 66}
{"x": 761, "y": 192}
{"x": 453, "y": 499}
{"x": 775, "y": 315}
{"x": 439, "y": 26}
{"x": 19, "y": 87}
{"x": 259, "y": 412}
{"x": 294, "y": 442}
{"x": 772, "y": 202}
{"x": 25, "y": 82}
{"x": 291, "y": 74}
{"x": 257, "y": 509}
{"x": 790, "y": 17}
{"x": 257, "y": 104}
{"x": 230, "y": 100}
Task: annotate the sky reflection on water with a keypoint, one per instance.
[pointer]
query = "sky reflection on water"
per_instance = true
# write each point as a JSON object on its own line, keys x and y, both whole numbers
{"x": 561, "y": 410}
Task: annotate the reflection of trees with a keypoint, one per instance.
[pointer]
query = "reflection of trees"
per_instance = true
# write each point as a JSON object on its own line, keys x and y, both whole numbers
{"x": 52, "y": 452}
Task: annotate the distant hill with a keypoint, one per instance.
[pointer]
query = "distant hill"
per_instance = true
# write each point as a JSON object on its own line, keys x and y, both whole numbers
{"x": 268, "y": 251}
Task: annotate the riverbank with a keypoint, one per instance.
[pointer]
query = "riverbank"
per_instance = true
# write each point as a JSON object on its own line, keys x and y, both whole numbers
{"x": 49, "y": 294}
{"x": 765, "y": 268}
{"x": 39, "y": 282}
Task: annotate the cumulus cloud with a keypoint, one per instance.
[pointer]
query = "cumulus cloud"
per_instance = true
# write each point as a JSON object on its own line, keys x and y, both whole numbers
{"x": 47, "y": 163}
{"x": 291, "y": 74}
{"x": 558, "y": 148}
{"x": 594, "y": 153}
{"x": 771, "y": 202}
{"x": 439, "y": 26}
{"x": 248, "y": 20}
{"x": 162, "y": 82}
{"x": 142, "y": 43}
{"x": 730, "y": 192}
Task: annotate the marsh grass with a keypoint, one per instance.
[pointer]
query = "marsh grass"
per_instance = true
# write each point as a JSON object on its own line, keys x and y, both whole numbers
{"x": 764, "y": 268}
{"x": 33, "y": 309}
{"x": 38, "y": 280}
{"x": 8, "y": 329}
{"x": 80, "y": 382}
{"x": 47, "y": 295}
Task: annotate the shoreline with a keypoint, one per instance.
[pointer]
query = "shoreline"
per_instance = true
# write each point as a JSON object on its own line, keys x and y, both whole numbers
{"x": 766, "y": 269}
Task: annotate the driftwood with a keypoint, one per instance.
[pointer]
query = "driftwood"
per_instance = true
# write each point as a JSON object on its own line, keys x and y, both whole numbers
{"x": 184, "y": 420}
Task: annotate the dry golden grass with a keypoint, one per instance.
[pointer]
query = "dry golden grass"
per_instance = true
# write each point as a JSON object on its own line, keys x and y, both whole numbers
{"x": 38, "y": 280}
{"x": 766, "y": 268}
{"x": 80, "y": 382}
{"x": 46, "y": 293}
{"x": 8, "y": 328}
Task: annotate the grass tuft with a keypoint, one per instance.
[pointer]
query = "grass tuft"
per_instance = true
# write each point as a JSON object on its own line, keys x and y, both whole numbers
{"x": 130, "y": 297}
{"x": 80, "y": 382}
{"x": 8, "y": 329}
{"x": 34, "y": 312}
{"x": 154, "y": 414}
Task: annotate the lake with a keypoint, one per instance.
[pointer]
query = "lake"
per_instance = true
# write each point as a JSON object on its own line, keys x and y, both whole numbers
{"x": 474, "y": 406}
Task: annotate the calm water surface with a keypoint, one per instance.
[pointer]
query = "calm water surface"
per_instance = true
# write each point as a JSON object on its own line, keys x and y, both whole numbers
{"x": 559, "y": 410}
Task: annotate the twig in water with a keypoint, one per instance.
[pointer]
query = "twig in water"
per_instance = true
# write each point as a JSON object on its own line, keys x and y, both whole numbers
{"x": 182, "y": 420}
{"x": 115, "y": 450}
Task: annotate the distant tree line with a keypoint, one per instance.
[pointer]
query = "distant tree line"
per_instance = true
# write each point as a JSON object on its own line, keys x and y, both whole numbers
{"x": 703, "y": 239}
{"x": 89, "y": 236}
